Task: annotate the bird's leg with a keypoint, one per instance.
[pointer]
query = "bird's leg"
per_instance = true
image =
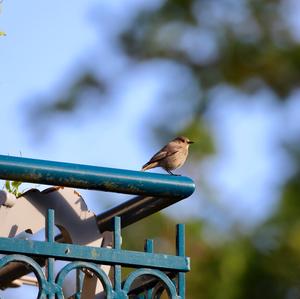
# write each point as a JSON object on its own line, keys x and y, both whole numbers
{"x": 171, "y": 173}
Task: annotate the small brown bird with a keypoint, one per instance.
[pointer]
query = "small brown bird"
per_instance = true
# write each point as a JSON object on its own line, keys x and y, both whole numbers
{"x": 171, "y": 156}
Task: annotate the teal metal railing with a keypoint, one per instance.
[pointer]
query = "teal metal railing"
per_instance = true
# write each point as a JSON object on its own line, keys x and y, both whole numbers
{"x": 87, "y": 257}
{"x": 94, "y": 178}
{"x": 155, "y": 192}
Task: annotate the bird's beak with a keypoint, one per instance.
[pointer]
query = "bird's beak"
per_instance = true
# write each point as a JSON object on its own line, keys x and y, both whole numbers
{"x": 190, "y": 142}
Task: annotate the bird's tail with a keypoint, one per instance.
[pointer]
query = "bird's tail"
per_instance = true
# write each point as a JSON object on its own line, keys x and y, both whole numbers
{"x": 149, "y": 165}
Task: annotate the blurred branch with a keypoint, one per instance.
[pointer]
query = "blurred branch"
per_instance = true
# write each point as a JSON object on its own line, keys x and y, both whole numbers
{"x": 83, "y": 92}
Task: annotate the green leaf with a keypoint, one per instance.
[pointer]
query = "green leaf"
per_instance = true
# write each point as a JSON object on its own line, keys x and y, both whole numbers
{"x": 8, "y": 186}
{"x": 16, "y": 184}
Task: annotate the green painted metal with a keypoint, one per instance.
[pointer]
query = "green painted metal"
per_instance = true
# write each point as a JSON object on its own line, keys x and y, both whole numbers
{"x": 49, "y": 234}
{"x": 117, "y": 246}
{"x": 180, "y": 251}
{"x": 149, "y": 247}
{"x": 94, "y": 254}
{"x": 100, "y": 274}
{"x": 37, "y": 270}
{"x": 79, "y": 283}
{"x": 170, "y": 287}
{"x": 84, "y": 257}
{"x": 95, "y": 178}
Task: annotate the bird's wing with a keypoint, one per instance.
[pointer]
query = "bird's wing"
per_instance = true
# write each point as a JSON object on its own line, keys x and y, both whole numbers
{"x": 161, "y": 155}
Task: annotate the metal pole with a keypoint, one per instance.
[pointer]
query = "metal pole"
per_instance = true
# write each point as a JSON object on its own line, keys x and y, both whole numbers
{"x": 133, "y": 210}
{"x": 94, "y": 178}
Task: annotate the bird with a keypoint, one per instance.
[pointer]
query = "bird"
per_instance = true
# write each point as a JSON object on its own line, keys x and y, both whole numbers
{"x": 171, "y": 156}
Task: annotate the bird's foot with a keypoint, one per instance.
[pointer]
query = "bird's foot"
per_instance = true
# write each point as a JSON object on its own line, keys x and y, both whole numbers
{"x": 171, "y": 173}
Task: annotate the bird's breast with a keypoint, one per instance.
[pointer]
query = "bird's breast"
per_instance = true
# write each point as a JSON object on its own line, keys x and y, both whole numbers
{"x": 175, "y": 161}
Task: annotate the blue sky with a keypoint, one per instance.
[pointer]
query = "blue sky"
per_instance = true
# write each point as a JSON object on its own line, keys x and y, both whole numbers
{"x": 47, "y": 43}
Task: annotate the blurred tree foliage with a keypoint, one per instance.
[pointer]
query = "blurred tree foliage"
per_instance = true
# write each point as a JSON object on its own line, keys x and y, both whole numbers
{"x": 250, "y": 46}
